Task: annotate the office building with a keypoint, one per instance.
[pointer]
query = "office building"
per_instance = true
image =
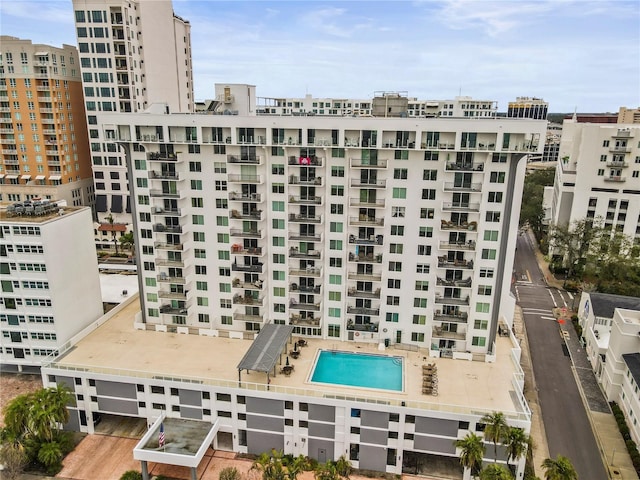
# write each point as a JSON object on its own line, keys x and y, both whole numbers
{"x": 132, "y": 54}
{"x": 43, "y": 131}
{"x": 528, "y": 107}
{"x": 629, "y": 115}
{"x": 611, "y": 330}
{"x": 598, "y": 175}
{"x": 50, "y": 286}
{"x": 373, "y": 230}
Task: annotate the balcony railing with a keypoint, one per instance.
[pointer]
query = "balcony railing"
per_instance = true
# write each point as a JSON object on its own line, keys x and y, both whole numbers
{"x": 165, "y": 262}
{"x": 168, "y": 246}
{"x": 452, "y": 300}
{"x": 464, "y": 187}
{"x": 357, "y": 182}
{"x": 162, "y": 278}
{"x": 305, "y": 237}
{"x": 152, "y": 174}
{"x": 254, "y": 215}
{"x": 307, "y": 272}
{"x": 357, "y": 202}
{"x": 439, "y": 332}
{"x": 615, "y": 178}
{"x": 294, "y": 287}
{"x": 362, "y": 310}
{"x": 158, "y": 156}
{"x": 161, "y": 211}
{"x": 464, "y": 226}
{"x": 253, "y": 160}
{"x": 247, "y": 300}
{"x": 238, "y": 283}
{"x": 308, "y": 321}
{"x": 360, "y": 163}
{"x": 461, "y": 206}
{"x": 354, "y": 292}
{"x": 443, "y": 262}
{"x": 295, "y": 180}
{"x": 365, "y": 258}
{"x": 447, "y": 245}
{"x": 241, "y": 178}
{"x": 295, "y": 253}
{"x": 617, "y": 163}
{"x": 367, "y": 277}
{"x": 245, "y": 197}
{"x": 238, "y": 232}
{"x": 170, "y": 294}
{"x": 371, "y": 240}
{"x": 450, "y": 317}
{"x": 245, "y": 317}
{"x": 465, "y": 167}
{"x": 155, "y": 192}
{"x": 255, "y": 268}
{"x": 453, "y": 283}
{"x": 305, "y": 200}
{"x": 170, "y": 310}
{"x": 619, "y": 149}
{"x": 237, "y": 249}
{"x": 362, "y": 327}
{"x": 162, "y": 228}
{"x": 295, "y": 217}
{"x": 312, "y": 307}
{"x": 366, "y": 221}
{"x": 312, "y": 161}
{"x": 623, "y": 133}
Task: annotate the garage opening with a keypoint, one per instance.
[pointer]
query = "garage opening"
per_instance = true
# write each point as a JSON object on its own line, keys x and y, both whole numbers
{"x": 416, "y": 463}
{"x": 119, "y": 425}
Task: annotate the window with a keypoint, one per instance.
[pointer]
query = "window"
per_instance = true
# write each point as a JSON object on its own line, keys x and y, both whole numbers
{"x": 195, "y": 167}
{"x": 399, "y": 192}
{"x": 277, "y": 223}
{"x": 337, "y": 208}
{"x": 484, "y": 289}
{"x": 424, "y": 249}
{"x": 601, "y": 172}
{"x": 422, "y": 285}
{"x": 197, "y": 202}
{"x": 277, "y": 206}
{"x": 395, "y": 266}
{"x": 396, "y": 248}
{"x": 196, "y": 184}
{"x": 420, "y": 302}
{"x": 335, "y": 279}
{"x": 392, "y": 317}
{"x": 419, "y": 319}
{"x": 422, "y": 268}
{"x": 426, "y": 232}
{"x": 417, "y": 337}
{"x": 482, "y": 307}
{"x": 427, "y": 212}
{"x": 335, "y": 262}
{"x": 277, "y": 169}
{"x": 478, "y": 341}
{"x": 221, "y": 185}
{"x": 491, "y": 235}
{"x": 397, "y": 230}
{"x": 337, "y": 171}
{"x": 393, "y": 283}
{"x": 428, "y": 194}
{"x": 337, "y": 190}
{"x": 397, "y": 212}
{"x": 430, "y": 175}
{"x": 488, "y": 254}
{"x": 486, "y": 272}
{"x": 277, "y": 188}
{"x": 605, "y": 143}
{"x": 277, "y": 241}
{"x": 480, "y": 324}
{"x": 278, "y": 291}
{"x": 335, "y": 244}
{"x": 334, "y": 312}
{"x": 392, "y": 300}
{"x": 495, "y": 197}
{"x": 491, "y": 216}
{"x": 335, "y": 227}
{"x": 496, "y": 177}
{"x": 400, "y": 173}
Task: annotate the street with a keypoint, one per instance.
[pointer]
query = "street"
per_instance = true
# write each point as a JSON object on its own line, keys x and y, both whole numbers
{"x": 567, "y": 425}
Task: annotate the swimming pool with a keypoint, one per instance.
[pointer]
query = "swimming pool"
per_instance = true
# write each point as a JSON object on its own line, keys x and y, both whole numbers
{"x": 358, "y": 370}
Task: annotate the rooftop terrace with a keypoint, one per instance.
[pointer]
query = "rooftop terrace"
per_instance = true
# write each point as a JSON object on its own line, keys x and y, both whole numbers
{"x": 116, "y": 348}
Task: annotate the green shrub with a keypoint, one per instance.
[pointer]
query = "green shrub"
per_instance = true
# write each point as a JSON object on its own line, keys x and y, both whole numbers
{"x": 230, "y": 473}
{"x": 131, "y": 475}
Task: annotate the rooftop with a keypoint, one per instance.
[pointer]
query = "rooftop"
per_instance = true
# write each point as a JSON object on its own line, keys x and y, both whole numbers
{"x": 13, "y": 218}
{"x": 464, "y": 386}
{"x": 633, "y": 364}
{"x": 604, "y": 304}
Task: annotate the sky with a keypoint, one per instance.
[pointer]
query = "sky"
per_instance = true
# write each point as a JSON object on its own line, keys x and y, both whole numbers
{"x": 582, "y": 54}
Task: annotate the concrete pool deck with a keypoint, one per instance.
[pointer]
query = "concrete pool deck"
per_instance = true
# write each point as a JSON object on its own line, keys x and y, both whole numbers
{"x": 117, "y": 348}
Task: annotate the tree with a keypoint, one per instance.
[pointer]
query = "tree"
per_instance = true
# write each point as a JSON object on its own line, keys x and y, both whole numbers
{"x": 531, "y": 211}
{"x": 327, "y": 471}
{"x": 495, "y": 472}
{"x": 343, "y": 466}
{"x": 296, "y": 466}
{"x": 559, "y": 469}
{"x": 572, "y": 242}
{"x": 517, "y": 443}
{"x": 472, "y": 453}
{"x": 131, "y": 475}
{"x": 127, "y": 240}
{"x": 270, "y": 465}
{"x": 495, "y": 430}
{"x": 113, "y": 232}
{"x": 50, "y": 455}
{"x": 14, "y": 460}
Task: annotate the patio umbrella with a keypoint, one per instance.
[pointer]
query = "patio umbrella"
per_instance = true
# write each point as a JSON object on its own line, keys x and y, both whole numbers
{"x": 287, "y": 363}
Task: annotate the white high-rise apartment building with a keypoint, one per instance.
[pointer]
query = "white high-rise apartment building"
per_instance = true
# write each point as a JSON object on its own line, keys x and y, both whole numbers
{"x": 50, "y": 286}
{"x": 598, "y": 175}
{"x": 133, "y": 54}
{"x": 397, "y": 231}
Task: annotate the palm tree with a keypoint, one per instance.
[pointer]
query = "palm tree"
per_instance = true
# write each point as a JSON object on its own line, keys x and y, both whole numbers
{"x": 296, "y": 466}
{"x": 517, "y": 443}
{"x": 50, "y": 455}
{"x": 343, "y": 466}
{"x": 327, "y": 471}
{"x": 495, "y": 430}
{"x": 270, "y": 465}
{"x": 472, "y": 452}
{"x": 559, "y": 469}
{"x": 495, "y": 472}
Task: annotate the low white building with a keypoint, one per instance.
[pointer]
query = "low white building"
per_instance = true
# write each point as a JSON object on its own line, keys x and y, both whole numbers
{"x": 611, "y": 331}
{"x": 50, "y": 286}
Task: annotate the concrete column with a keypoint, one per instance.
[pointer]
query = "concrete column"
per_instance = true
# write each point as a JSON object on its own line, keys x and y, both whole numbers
{"x": 145, "y": 470}
{"x": 194, "y": 473}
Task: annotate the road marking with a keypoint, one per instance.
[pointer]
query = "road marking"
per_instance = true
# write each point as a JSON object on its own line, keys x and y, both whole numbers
{"x": 544, "y": 310}
{"x": 528, "y": 275}
{"x": 555, "y": 304}
{"x": 570, "y": 296}
{"x": 548, "y": 318}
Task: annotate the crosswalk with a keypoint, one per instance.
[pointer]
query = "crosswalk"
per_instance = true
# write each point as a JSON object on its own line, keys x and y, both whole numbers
{"x": 542, "y": 313}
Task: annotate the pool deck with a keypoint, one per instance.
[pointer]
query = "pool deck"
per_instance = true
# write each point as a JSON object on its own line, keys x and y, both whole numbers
{"x": 116, "y": 347}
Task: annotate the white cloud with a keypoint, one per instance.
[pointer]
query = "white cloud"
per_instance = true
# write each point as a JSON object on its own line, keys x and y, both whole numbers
{"x": 41, "y": 11}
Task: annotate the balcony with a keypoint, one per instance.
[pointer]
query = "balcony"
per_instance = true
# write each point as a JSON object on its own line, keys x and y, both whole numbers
{"x": 305, "y": 237}
{"x": 623, "y": 133}
{"x": 365, "y": 277}
{"x": 619, "y": 149}
{"x": 465, "y": 167}
{"x": 371, "y": 240}
{"x": 165, "y": 262}
{"x": 9, "y": 141}
{"x": 308, "y": 321}
{"x": 158, "y": 156}
{"x": 256, "y": 160}
{"x": 439, "y": 332}
{"x": 162, "y": 228}
{"x": 365, "y": 258}
{"x": 155, "y": 175}
{"x": 295, "y": 253}
{"x": 248, "y": 300}
{"x": 311, "y": 307}
{"x": 245, "y": 317}
{"x": 255, "y": 268}
{"x": 46, "y": 110}
{"x": 172, "y": 295}
{"x": 238, "y": 232}
{"x": 254, "y": 215}
{"x": 168, "y": 246}
{"x": 241, "y": 178}
{"x": 450, "y": 317}
{"x": 452, "y": 300}
{"x": 296, "y": 180}
{"x": 10, "y": 161}
{"x": 9, "y": 151}
{"x": 615, "y": 178}
{"x": 52, "y": 153}
{"x": 453, "y": 283}
{"x": 307, "y": 272}
{"x": 239, "y": 283}
{"x": 237, "y": 249}
{"x": 171, "y": 310}
{"x": 360, "y": 183}
{"x": 305, "y": 161}
{"x": 156, "y": 192}
{"x": 294, "y": 287}
{"x": 359, "y": 163}
{"x": 45, "y": 99}
{"x": 362, "y": 310}
{"x": 354, "y": 292}
{"x": 294, "y": 217}
{"x": 460, "y": 207}
{"x": 443, "y": 262}
{"x": 363, "y": 220}
{"x": 464, "y": 187}
{"x": 362, "y": 327}
{"x": 13, "y": 171}
{"x": 6, "y": 130}
{"x": 617, "y": 163}
{"x": 166, "y": 212}
{"x": 305, "y": 200}
{"x": 464, "y": 226}
{"x": 245, "y": 197}
{"x": 164, "y": 278}
{"x": 357, "y": 202}
{"x": 447, "y": 245}
{"x": 48, "y": 121}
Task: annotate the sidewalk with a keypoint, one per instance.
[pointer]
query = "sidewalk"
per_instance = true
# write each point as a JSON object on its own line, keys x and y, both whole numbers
{"x": 610, "y": 442}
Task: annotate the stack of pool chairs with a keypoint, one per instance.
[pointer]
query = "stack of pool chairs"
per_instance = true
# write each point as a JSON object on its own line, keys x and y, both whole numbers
{"x": 430, "y": 379}
{"x": 30, "y": 208}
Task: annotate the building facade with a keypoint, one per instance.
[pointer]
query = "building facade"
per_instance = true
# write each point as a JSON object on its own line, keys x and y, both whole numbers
{"x": 43, "y": 131}
{"x": 528, "y": 107}
{"x": 598, "y": 175}
{"x": 629, "y": 115}
{"x": 120, "y": 75}
{"x": 611, "y": 331}
{"x": 50, "y": 286}
{"x": 371, "y": 230}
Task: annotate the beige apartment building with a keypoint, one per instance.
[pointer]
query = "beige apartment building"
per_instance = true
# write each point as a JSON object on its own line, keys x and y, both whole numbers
{"x": 43, "y": 132}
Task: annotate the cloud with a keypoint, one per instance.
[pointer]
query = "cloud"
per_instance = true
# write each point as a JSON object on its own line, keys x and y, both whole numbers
{"x": 51, "y": 12}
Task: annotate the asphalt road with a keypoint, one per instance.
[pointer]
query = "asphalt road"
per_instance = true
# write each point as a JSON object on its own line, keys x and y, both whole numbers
{"x": 565, "y": 420}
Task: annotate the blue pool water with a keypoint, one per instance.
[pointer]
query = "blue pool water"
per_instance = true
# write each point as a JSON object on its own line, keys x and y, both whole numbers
{"x": 358, "y": 370}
